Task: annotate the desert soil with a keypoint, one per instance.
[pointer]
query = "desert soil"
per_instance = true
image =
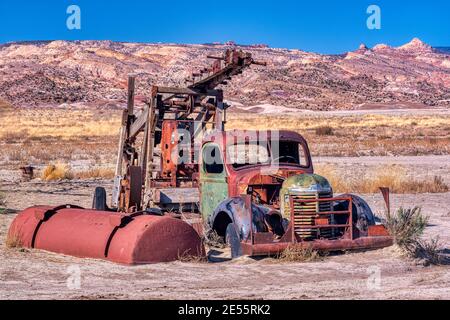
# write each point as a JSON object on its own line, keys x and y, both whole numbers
{"x": 34, "y": 274}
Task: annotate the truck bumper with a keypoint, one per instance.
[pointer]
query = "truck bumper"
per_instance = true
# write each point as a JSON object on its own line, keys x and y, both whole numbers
{"x": 322, "y": 245}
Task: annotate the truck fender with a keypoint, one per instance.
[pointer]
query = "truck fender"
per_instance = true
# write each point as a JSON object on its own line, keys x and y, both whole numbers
{"x": 231, "y": 210}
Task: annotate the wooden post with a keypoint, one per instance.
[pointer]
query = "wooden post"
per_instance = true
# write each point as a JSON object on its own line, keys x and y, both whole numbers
{"x": 218, "y": 116}
{"x": 131, "y": 89}
{"x": 123, "y": 132}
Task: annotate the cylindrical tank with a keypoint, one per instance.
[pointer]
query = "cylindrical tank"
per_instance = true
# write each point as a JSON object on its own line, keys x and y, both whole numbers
{"x": 119, "y": 238}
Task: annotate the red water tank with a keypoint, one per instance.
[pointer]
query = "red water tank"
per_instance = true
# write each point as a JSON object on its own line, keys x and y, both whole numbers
{"x": 127, "y": 239}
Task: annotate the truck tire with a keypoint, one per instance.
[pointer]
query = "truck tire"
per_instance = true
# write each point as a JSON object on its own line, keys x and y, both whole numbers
{"x": 362, "y": 215}
{"x": 233, "y": 240}
{"x": 99, "y": 201}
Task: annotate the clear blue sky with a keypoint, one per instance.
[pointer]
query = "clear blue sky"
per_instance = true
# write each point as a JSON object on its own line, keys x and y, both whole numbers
{"x": 320, "y": 26}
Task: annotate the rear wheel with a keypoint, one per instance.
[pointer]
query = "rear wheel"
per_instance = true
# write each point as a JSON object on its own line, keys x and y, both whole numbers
{"x": 233, "y": 240}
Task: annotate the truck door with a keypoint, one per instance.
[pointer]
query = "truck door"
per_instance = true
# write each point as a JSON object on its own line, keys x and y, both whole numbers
{"x": 213, "y": 182}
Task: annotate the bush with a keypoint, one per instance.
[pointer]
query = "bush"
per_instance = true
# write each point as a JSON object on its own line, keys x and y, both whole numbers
{"x": 324, "y": 131}
{"x": 406, "y": 225}
{"x": 427, "y": 251}
{"x": 299, "y": 254}
{"x": 57, "y": 172}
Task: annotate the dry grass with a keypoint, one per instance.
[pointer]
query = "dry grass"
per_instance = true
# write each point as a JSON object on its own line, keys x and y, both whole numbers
{"x": 324, "y": 131}
{"x": 192, "y": 258}
{"x": 299, "y": 254}
{"x": 95, "y": 173}
{"x": 14, "y": 136}
{"x": 57, "y": 171}
{"x": 359, "y": 135}
{"x": 394, "y": 176}
{"x": 212, "y": 239}
{"x": 2, "y": 203}
{"x": 14, "y": 240}
{"x": 42, "y": 135}
{"x": 63, "y": 124}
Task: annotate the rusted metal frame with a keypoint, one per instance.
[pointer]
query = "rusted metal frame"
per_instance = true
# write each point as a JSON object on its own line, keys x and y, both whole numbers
{"x": 320, "y": 199}
{"x": 139, "y": 123}
{"x": 185, "y": 91}
{"x": 152, "y": 120}
{"x": 317, "y": 200}
{"x": 326, "y": 245}
{"x": 144, "y": 149}
{"x": 350, "y": 218}
{"x": 385, "y": 193}
{"x": 292, "y": 225}
{"x": 248, "y": 206}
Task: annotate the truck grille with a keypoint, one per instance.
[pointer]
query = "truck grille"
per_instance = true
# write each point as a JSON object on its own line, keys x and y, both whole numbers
{"x": 305, "y": 215}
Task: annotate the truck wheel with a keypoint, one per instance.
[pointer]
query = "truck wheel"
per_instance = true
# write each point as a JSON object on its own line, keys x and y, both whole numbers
{"x": 361, "y": 213}
{"x": 233, "y": 240}
{"x": 99, "y": 201}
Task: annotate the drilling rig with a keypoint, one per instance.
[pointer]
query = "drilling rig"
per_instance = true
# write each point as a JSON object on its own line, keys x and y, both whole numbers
{"x": 139, "y": 180}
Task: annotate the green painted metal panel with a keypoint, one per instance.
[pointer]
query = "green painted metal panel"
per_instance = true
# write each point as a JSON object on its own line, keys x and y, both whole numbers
{"x": 213, "y": 186}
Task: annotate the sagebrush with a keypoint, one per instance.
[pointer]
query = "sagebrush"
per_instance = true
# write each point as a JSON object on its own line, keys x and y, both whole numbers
{"x": 406, "y": 225}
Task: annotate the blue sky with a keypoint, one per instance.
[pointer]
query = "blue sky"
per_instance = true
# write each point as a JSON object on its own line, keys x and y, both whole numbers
{"x": 319, "y": 26}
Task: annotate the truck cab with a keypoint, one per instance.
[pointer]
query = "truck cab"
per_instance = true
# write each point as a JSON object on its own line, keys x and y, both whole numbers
{"x": 253, "y": 163}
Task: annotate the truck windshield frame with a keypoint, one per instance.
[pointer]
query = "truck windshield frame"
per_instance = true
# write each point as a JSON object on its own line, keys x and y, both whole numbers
{"x": 290, "y": 152}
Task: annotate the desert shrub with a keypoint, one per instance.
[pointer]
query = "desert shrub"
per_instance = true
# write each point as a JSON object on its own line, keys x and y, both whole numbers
{"x": 427, "y": 251}
{"x": 299, "y": 254}
{"x": 324, "y": 131}
{"x": 57, "y": 172}
{"x": 406, "y": 225}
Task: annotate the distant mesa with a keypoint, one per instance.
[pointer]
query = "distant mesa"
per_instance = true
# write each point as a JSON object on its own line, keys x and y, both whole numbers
{"x": 416, "y": 45}
{"x": 381, "y": 46}
{"x": 362, "y": 48}
{"x": 230, "y": 43}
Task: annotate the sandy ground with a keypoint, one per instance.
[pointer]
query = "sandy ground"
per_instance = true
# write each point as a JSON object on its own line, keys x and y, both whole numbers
{"x": 33, "y": 274}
